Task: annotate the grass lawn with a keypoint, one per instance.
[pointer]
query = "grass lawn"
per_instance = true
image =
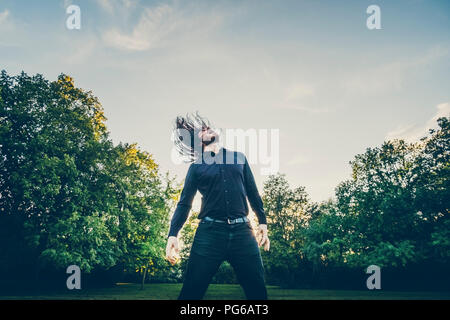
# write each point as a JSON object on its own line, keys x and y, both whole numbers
{"x": 124, "y": 291}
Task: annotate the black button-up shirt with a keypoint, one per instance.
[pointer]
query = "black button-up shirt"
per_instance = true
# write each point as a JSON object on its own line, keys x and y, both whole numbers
{"x": 225, "y": 181}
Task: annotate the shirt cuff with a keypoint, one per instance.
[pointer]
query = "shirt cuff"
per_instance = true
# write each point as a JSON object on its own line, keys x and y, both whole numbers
{"x": 262, "y": 219}
{"x": 172, "y": 233}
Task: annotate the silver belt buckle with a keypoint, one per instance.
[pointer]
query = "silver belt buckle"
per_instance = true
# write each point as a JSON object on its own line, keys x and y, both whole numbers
{"x": 229, "y": 221}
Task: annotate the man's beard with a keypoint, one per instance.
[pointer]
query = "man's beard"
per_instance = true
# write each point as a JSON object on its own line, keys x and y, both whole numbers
{"x": 207, "y": 143}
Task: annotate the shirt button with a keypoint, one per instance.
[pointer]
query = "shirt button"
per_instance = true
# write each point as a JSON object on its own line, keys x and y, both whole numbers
{"x": 226, "y": 190}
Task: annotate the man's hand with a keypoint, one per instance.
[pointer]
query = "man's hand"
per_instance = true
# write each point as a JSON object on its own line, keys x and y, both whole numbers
{"x": 263, "y": 237}
{"x": 172, "y": 250}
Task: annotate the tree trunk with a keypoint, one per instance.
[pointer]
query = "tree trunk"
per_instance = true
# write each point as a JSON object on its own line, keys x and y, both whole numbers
{"x": 143, "y": 277}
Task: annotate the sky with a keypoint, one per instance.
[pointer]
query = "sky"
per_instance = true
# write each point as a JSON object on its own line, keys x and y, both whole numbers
{"x": 311, "y": 69}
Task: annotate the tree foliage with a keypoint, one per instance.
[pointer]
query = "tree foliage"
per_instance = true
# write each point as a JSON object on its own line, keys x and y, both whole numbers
{"x": 393, "y": 213}
{"x": 68, "y": 195}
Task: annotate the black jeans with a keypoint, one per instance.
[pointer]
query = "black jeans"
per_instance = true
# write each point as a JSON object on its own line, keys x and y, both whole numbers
{"x": 216, "y": 242}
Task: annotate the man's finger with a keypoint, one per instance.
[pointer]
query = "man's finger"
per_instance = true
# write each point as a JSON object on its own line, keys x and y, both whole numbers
{"x": 260, "y": 234}
{"x": 267, "y": 245}
{"x": 174, "y": 259}
{"x": 263, "y": 240}
{"x": 169, "y": 251}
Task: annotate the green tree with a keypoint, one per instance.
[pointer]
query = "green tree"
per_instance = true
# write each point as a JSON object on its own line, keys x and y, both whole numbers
{"x": 379, "y": 201}
{"x": 287, "y": 212}
{"x": 432, "y": 192}
{"x": 142, "y": 204}
{"x": 397, "y": 202}
{"x": 67, "y": 194}
{"x": 326, "y": 240}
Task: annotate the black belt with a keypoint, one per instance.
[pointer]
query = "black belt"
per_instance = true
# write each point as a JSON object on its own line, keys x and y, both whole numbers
{"x": 228, "y": 221}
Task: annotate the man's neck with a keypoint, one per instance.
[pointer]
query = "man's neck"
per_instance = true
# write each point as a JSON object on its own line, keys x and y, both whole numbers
{"x": 213, "y": 147}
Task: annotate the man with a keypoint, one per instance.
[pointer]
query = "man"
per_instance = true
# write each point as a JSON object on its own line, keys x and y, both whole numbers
{"x": 225, "y": 181}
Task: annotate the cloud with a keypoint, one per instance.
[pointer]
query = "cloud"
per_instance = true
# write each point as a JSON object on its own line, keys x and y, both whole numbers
{"x": 162, "y": 25}
{"x": 297, "y": 160}
{"x": 306, "y": 108}
{"x": 135, "y": 42}
{"x": 298, "y": 91}
{"x": 301, "y": 96}
{"x": 413, "y": 132}
{"x": 81, "y": 51}
{"x": 389, "y": 76}
{"x": 4, "y": 16}
{"x": 154, "y": 25}
{"x": 106, "y": 5}
{"x": 8, "y": 28}
{"x": 111, "y": 6}
{"x": 67, "y": 3}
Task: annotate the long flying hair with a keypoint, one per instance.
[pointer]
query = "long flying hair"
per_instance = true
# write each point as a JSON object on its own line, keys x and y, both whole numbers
{"x": 185, "y": 135}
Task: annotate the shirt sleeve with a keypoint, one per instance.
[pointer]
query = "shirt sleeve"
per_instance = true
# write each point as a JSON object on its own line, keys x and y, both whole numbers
{"x": 185, "y": 203}
{"x": 252, "y": 193}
